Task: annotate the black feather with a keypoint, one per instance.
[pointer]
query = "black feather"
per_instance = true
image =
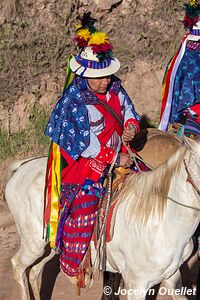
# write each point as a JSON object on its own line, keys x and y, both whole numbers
{"x": 87, "y": 21}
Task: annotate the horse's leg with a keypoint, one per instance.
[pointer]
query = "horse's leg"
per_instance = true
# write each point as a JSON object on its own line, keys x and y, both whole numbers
{"x": 134, "y": 291}
{"x": 174, "y": 283}
{"x": 19, "y": 271}
{"x": 198, "y": 286}
{"x": 35, "y": 272}
{"x": 24, "y": 258}
{"x": 111, "y": 280}
{"x": 135, "y": 288}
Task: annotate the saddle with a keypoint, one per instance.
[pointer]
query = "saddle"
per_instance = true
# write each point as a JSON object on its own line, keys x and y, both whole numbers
{"x": 191, "y": 129}
{"x": 121, "y": 175}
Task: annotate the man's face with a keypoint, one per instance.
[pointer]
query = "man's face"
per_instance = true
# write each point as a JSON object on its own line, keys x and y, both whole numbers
{"x": 99, "y": 85}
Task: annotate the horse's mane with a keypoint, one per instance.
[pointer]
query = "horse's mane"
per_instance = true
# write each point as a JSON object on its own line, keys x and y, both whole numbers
{"x": 146, "y": 193}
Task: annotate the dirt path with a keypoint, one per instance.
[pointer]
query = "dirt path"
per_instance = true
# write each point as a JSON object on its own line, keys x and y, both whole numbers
{"x": 62, "y": 289}
{"x": 55, "y": 286}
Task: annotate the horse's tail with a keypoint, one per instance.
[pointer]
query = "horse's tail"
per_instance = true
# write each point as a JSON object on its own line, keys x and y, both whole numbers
{"x": 6, "y": 218}
{"x": 15, "y": 165}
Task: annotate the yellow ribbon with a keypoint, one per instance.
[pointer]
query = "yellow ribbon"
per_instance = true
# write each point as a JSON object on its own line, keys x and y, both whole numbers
{"x": 193, "y": 3}
{"x": 55, "y": 194}
{"x": 56, "y": 176}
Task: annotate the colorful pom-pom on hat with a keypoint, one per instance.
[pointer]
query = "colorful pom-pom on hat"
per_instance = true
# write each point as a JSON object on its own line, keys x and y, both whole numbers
{"x": 87, "y": 64}
{"x": 192, "y": 13}
{"x": 96, "y": 57}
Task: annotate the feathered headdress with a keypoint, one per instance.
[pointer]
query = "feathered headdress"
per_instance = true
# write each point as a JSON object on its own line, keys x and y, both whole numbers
{"x": 192, "y": 13}
{"x": 87, "y": 35}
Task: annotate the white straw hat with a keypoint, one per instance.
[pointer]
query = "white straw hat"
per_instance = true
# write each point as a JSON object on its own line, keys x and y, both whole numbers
{"x": 87, "y": 64}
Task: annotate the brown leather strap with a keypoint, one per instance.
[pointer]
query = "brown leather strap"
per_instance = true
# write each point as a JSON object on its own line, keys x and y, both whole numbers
{"x": 113, "y": 113}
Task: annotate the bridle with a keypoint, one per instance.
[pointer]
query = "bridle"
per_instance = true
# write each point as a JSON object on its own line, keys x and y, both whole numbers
{"x": 189, "y": 178}
{"x": 191, "y": 181}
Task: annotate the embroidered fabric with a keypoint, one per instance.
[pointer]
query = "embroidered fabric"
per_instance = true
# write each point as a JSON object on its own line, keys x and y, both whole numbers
{"x": 193, "y": 45}
{"x": 69, "y": 125}
{"x": 186, "y": 91}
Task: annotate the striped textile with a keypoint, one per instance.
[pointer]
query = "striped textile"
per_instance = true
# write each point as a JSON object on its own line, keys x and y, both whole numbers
{"x": 191, "y": 128}
{"x": 167, "y": 88}
{"x": 79, "y": 226}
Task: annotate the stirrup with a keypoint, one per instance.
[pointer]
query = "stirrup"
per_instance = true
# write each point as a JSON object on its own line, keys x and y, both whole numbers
{"x": 83, "y": 279}
{"x": 78, "y": 281}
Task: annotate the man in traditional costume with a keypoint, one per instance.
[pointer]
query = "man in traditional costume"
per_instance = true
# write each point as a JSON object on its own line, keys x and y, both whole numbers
{"x": 85, "y": 128}
{"x": 181, "y": 85}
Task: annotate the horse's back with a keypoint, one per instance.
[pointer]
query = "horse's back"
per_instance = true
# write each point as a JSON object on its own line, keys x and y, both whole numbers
{"x": 155, "y": 146}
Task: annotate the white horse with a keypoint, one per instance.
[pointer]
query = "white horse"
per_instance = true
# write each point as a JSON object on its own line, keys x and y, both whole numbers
{"x": 158, "y": 213}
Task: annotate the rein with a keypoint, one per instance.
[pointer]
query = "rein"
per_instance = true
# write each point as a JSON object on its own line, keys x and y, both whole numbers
{"x": 190, "y": 180}
{"x": 181, "y": 204}
{"x": 133, "y": 157}
{"x": 102, "y": 229}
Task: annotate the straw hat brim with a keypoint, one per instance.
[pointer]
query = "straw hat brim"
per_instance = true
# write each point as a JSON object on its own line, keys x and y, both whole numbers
{"x": 94, "y": 73}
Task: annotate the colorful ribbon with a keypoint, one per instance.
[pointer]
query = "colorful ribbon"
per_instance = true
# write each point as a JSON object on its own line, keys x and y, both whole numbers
{"x": 69, "y": 74}
{"x": 168, "y": 83}
{"x": 53, "y": 180}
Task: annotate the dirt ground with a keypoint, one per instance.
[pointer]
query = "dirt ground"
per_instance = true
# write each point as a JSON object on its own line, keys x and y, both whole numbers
{"x": 54, "y": 285}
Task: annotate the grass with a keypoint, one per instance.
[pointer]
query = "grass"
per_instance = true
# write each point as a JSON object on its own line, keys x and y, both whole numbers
{"x": 30, "y": 140}
{"x": 37, "y": 125}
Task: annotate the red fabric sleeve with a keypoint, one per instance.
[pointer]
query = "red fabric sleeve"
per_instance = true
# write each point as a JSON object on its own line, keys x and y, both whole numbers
{"x": 133, "y": 122}
{"x": 196, "y": 109}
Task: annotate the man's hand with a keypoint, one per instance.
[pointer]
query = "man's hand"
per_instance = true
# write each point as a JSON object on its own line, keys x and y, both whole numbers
{"x": 125, "y": 160}
{"x": 129, "y": 133}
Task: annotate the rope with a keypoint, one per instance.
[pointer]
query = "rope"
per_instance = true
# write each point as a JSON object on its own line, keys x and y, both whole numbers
{"x": 109, "y": 192}
{"x": 134, "y": 157}
{"x": 179, "y": 203}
